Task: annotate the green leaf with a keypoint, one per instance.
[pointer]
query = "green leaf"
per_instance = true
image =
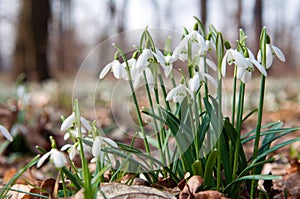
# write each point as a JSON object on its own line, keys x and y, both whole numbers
{"x": 209, "y": 166}
{"x": 252, "y": 177}
{"x": 13, "y": 180}
{"x": 276, "y": 147}
{"x": 263, "y": 127}
{"x": 197, "y": 168}
{"x": 73, "y": 178}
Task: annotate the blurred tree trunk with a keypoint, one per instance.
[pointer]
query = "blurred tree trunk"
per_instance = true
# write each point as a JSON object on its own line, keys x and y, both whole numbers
{"x": 30, "y": 55}
{"x": 258, "y": 20}
{"x": 239, "y": 14}
{"x": 203, "y": 12}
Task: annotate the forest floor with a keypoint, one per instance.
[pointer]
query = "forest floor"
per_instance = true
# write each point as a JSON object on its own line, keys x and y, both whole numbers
{"x": 42, "y": 105}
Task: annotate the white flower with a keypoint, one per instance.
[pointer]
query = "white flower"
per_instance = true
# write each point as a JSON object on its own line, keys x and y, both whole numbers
{"x": 140, "y": 77}
{"x": 198, "y": 46}
{"x": 233, "y": 56}
{"x": 99, "y": 144}
{"x": 6, "y": 133}
{"x": 145, "y": 58}
{"x": 245, "y": 73}
{"x": 165, "y": 61}
{"x": 75, "y": 148}
{"x": 56, "y": 156}
{"x": 132, "y": 67}
{"x": 72, "y": 149}
{"x": 178, "y": 93}
{"x": 271, "y": 51}
{"x": 117, "y": 68}
{"x": 69, "y": 122}
{"x": 199, "y": 78}
{"x": 209, "y": 63}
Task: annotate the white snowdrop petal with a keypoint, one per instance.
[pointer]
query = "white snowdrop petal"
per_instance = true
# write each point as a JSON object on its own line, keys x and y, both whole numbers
{"x": 43, "y": 158}
{"x": 269, "y": 56}
{"x": 85, "y": 123}
{"x": 259, "y": 67}
{"x": 223, "y": 65}
{"x": 96, "y": 148}
{"x": 279, "y": 53}
{"x": 6, "y": 134}
{"x": 65, "y": 147}
{"x": 105, "y": 70}
{"x": 117, "y": 70}
{"x": 240, "y": 72}
{"x": 194, "y": 83}
{"x": 142, "y": 61}
{"x": 173, "y": 92}
{"x": 211, "y": 79}
{"x": 150, "y": 78}
{"x": 110, "y": 142}
{"x": 246, "y": 77}
{"x": 58, "y": 158}
{"x": 138, "y": 80}
{"x": 68, "y": 122}
{"x": 211, "y": 64}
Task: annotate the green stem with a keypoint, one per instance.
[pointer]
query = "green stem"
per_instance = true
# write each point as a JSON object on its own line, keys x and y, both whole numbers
{"x": 263, "y": 43}
{"x": 220, "y": 54}
{"x": 197, "y": 123}
{"x": 63, "y": 182}
{"x": 238, "y": 129}
{"x": 86, "y": 173}
{"x": 234, "y": 96}
{"x": 140, "y": 121}
{"x": 154, "y": 120}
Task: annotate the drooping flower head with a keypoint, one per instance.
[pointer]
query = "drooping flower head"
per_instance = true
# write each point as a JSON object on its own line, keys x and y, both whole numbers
{"x": 178, "y": 93}
{"x": 271, "y": 52}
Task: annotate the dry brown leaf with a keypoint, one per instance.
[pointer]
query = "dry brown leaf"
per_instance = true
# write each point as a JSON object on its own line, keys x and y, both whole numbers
{"x": 48, "y": 186}
{"x": 17, "y": 195}
{"x": 209, "y": 194}
{"x": 120, "y": 191}
{"x": 191, "y": 187}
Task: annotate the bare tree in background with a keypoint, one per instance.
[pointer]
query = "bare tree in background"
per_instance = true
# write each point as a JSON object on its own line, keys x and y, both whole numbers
{"x": 203, "y": 12}
{"x": 239, "y": 12}
{"x": 30, "y": 55}
{"x": 258, "y": 20}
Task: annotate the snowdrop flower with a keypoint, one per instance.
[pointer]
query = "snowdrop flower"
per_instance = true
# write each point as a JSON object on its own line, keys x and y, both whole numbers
{"x": 99, "y": 144}
{"x": 199, "y": 78}
{"x": 75, "y": 148}
{"x": 132, "y": 67}
{"x": 245, "y": 73}
{"x": 69, "y": 122}
{"x": 199, "y": 46}
{"x": 165, "y": 61}
{"x": 72, "y": 149}
{"x": 209, "y": 63}
{"x": 140, "y": 77}
{"x": 145, "y": 58}
{"x": 117, "y": 68}
{"x": 6, "y": 133}
{"x": 178, "y": 93}
{"x": 56, "y": 156}
{"x": 271, "y": 51}
{"x": 233, "y": 56}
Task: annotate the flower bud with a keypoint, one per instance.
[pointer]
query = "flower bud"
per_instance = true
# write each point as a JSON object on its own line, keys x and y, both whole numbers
{"x": 227, "y": 44}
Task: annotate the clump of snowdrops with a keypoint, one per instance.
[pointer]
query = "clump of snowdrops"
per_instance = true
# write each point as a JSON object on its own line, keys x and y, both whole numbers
{"x": 207, "y": 142}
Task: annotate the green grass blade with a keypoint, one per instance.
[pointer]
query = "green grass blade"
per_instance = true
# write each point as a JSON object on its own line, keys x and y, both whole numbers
{"x": 12, "y": 181}
{"x": 252, "y": 177}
